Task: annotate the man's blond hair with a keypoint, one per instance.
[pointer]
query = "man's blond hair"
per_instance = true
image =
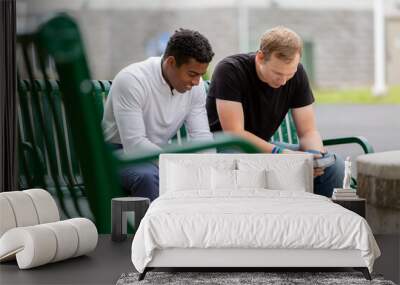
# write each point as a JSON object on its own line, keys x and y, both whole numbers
{"x": 282, "y": 42}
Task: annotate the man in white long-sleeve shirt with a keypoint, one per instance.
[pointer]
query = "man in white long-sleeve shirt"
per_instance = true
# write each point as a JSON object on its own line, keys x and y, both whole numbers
{"x": 150, "y": 100}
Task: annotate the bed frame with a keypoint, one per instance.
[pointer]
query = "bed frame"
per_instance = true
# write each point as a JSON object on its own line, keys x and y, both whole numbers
{"x": 256, "y": 258}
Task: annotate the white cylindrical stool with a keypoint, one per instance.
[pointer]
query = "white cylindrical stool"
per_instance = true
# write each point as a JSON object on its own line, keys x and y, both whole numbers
{"x": 378, "y": 180}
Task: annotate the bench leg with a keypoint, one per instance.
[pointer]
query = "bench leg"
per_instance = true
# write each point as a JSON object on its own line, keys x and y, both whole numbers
{"x": 364, "y": 271}
{"x": 143, "y": 274}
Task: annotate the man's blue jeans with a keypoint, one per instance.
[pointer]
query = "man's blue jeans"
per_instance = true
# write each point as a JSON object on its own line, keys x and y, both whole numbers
{"x": 332, "y": 177}
{"x": 140, "y": 180}
{"x": 143, "y": 180}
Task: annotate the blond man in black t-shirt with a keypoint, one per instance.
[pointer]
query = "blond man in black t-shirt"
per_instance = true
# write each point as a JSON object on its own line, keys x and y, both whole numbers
{"x": 250, "y": 95}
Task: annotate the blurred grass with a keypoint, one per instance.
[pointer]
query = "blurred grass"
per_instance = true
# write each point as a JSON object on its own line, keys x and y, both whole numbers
{"x": 356, "y": 96}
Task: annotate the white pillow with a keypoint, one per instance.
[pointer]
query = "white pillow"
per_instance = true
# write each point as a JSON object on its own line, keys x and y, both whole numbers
{"x": 226, "y": 179}
{"x": 251, "y": 178}
{"x": 183, "y": 178}
{"x": 223, "y": 179}
{"x": 283, "y": 172}
{"x": 282, "y": 180}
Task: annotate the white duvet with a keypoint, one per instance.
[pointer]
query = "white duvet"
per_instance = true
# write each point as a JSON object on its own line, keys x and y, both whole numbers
{"x": 252, "y": 218}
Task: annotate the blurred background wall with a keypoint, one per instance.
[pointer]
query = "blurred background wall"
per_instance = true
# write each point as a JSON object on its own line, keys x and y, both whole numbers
{"x": 338, "y": 34}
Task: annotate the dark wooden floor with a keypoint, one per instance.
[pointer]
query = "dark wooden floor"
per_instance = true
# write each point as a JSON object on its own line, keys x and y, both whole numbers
{"x": 110, "y": 260}
{"x": 389, "y": 262}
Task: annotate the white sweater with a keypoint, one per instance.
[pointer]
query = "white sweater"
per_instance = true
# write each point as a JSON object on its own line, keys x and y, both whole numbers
{"x": 142, "y": 114}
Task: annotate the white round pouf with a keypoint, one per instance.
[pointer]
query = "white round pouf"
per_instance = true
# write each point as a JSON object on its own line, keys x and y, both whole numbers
{"x": 23, "y": 208}
{"x": 7, "y": 217}
{"x": 46, "y": 207}
{"x": 32, "y": 246}
{"x": 67, "y": 240}
{"x": 87, "y": 235}
{"x": 45, "y": 243}
{"x": 378, "y": 179}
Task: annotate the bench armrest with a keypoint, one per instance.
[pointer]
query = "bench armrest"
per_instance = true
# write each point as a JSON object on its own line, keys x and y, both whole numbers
{"x": 362, "y": 141}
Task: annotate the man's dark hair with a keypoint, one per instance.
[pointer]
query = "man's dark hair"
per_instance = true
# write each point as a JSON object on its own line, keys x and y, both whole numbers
{"x": 185, "y": 44}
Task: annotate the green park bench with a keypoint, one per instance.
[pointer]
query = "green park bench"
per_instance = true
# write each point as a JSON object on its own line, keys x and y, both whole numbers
{"x": 61, "y": 146}
{"x": 61, "y": 143}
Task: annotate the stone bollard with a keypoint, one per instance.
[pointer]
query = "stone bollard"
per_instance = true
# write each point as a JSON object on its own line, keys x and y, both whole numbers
{"x": 378, "y": 181}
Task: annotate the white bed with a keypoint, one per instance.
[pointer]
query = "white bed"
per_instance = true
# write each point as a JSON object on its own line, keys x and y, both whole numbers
{"x": 225, "y": 210}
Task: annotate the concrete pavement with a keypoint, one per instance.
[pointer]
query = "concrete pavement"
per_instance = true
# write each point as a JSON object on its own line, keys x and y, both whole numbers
{"x": 380, "y": 124}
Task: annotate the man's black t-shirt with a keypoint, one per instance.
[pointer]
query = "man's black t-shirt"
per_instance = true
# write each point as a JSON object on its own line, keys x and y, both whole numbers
{"x": 264, "y": 107}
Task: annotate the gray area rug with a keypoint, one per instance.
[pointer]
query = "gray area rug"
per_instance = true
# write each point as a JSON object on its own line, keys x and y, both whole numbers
{"x": 231, "y": 278}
